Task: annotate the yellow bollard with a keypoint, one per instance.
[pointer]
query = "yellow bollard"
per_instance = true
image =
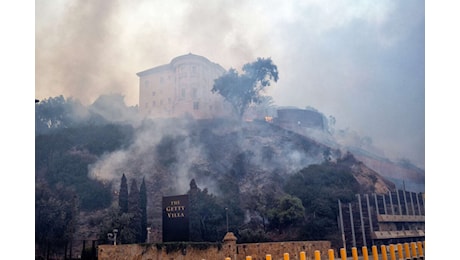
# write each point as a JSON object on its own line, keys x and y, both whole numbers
{"x": 317, "y": 255}
{"x": 365, "y": 253}
{"x": 420, "y": 249}
{"x": 248, "y": 257}
{"x": 400, "y": 251}
{"x": 228, "y": 258}
{"x": 375, "y": 253}
{"x": 392, "y": 252}
{"x": 383, "y": 248}
{"x": 286, "y": 256}
{"x": 343, "y": 253}
{"x": 406, "y": 250}
{"x": 354, "y": 253}
{"x": 413, "y": 249}
{"x": 303, "y": 256}
{"x": 268, "y": 257}
{"x": 330, "y": 253}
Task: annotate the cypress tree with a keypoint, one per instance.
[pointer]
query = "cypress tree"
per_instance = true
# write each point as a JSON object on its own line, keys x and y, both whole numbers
{"x": 123, "y": 195}
{"x": 143, "y": 206}
{"x": 135, "y": 210}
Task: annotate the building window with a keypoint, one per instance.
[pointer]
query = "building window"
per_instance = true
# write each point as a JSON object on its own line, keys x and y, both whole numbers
{"x": 194, "y": 93}
{"x": 183, "y": 93}
{"x": 194, "y": 72}
{"x": 153, "y": 93}
{"x": 196, "y": 105}
{"x": 182, "y": 72}
{"x": 153, "y": 103}
{"x": 169, "y": 101}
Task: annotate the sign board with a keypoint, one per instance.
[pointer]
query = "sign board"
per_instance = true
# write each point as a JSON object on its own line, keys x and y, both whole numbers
{"x": 176, "y": 218}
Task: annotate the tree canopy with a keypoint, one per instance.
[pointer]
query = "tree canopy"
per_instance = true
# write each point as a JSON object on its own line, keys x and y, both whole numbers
{"x": 206, "y": 215}
{"x": 56, "y": 217}
{"x": 319, "y": 187}
{"x": 56, "y": 113}
{"x": 241, "y": 90}
{"x": 287, "y": 211}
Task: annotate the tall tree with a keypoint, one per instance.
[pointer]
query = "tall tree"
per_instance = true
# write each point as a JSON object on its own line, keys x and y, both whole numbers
{"x": 56, "y": 215}
{"x": 288, "y": 211}
{"x": 207, "y": 222}
{"x": 135, "y": 209}
{"x": 242, "y": 90}
{"x": 143, "y": 206}
{"x": 123, "y": 195}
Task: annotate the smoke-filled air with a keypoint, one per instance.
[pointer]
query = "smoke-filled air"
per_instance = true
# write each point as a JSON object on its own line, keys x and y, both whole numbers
{"x": 359, "y": 62}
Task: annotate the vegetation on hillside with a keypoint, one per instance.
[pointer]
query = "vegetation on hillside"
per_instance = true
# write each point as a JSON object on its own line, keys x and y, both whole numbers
{"x": 269, "y": 183}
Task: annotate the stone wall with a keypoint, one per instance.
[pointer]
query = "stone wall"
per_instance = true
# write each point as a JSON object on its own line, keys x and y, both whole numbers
{"x": 159, "y": 252}
{"x": 212, "y": 251}
{"x": 258, "y": 251}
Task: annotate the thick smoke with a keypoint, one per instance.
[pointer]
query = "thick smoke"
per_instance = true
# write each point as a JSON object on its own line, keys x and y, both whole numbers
{"x": 78, "y": 54}
{"x": 171, "y": 153}
{"x": 140, "y": 159}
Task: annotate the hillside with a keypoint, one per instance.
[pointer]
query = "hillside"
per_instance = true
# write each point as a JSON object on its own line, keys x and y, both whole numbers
{"x": 269, "y": 183}
{"x": 403, "y": 174}
{"x": 231, "y": 159}
{"x": 274, "y": 184}
{"x": 253, "y": 152}
{"x": 244, "y": 165}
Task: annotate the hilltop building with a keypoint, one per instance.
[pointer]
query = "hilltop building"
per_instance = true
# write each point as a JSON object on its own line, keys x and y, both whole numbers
{"x": 292, "y": 118}
{"x": 181, "y": 87}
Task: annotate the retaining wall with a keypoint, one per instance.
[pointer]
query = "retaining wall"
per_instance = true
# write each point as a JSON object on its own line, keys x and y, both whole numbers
{"x": 209, "y": 251}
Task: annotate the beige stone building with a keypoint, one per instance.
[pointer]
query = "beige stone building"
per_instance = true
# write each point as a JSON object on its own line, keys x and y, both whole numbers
{"x": 181, "y": 88}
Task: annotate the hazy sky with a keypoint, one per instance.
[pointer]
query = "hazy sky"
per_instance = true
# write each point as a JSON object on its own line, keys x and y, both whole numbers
{"x": 362, "y": 62}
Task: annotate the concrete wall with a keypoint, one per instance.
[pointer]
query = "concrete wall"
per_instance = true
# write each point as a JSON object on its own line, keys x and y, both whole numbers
{"x": 217, "y": 251}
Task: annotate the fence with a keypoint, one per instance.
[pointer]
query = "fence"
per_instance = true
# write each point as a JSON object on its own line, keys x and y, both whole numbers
{"x": 406, "y": 251}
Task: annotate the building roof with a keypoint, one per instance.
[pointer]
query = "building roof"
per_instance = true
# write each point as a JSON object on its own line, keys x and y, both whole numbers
{"x": 154, "y": 69}
{"x": 175, "y": 60}
{"x": 188, "y": 56}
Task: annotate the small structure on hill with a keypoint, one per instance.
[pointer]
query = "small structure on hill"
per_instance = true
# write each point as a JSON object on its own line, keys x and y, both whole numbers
{"x": 294, "y": 118}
